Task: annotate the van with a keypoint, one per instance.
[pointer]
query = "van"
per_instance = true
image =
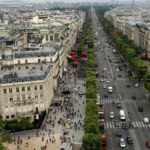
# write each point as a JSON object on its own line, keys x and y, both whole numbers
{"x": 122, "y": 115}
{"x": 110, "y": 89}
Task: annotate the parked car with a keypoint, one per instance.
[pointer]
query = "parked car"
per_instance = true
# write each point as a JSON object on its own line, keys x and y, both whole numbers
{"x": 118, "y": 105}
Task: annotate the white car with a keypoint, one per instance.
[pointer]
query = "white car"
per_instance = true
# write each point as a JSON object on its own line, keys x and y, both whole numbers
{"x": 102, "y": 80}
{"x": 136, "y": 85}
{"x": 118, "y": 70}
{"x": 111, "y": 115}
{"x": 146, "y": 120}
{"x": 104, "y": 86}
{"x": 107, "y": 81}
{"x": 104, "y": 69}
{"x": 122, "y": 142}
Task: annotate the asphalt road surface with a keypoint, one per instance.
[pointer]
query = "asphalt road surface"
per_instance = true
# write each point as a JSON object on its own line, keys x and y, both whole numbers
{"x": 108, "y": 68}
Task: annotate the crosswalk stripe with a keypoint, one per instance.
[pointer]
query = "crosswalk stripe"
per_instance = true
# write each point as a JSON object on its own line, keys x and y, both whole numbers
{"x": 134, "y": 124}
{"x": 146, "y": 125}
{"x": 139, "y": 124}
{"x": 142, "y": 124}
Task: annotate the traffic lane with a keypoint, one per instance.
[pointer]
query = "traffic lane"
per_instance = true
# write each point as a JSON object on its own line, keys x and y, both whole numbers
{"x": 143, "y": 136}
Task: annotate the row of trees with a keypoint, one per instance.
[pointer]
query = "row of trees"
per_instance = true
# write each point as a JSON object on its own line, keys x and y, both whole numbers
{"x": 83, "y": 36}
{"x": 92, "y": 138}
{"x": 127, "y": 48}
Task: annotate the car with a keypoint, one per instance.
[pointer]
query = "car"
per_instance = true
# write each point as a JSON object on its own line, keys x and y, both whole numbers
{"x": 118, "y": 70}
{"x": 136, "y": 85}
{"x": 125, "y": 125}
{"x": 116, "y": 123}
{"x": 102, "y": 80}
{"x": 118, "y": 105}
{"x": 118, "y": 133}
{"x": 148, "y": 144}
{"x": 119, "y": 75}
{"x": 129, "y": 140}
{"x": 107, "y": 81}
{"x": 104, "y": 69}
{"x": 127, "y": 85}
{"x": 111, "y": 115}
{"x": 106, "y": 95}
{"x": 146, "y": 120}
{"x": 104, "y": 86}
{"x": 134, "y": 97}
{"x": 140, "y": 108}
{"x": 122, "y": 143}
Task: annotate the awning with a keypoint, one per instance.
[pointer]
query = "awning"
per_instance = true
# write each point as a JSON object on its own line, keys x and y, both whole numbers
{"x": 73, "y": 53}
{"x": 73, "y": 56}
{"x": 84, "y": 53}
{"x": 76, "y": 63}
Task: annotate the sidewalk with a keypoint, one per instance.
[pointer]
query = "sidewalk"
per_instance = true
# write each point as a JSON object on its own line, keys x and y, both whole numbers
{"x": 65, "y": 122}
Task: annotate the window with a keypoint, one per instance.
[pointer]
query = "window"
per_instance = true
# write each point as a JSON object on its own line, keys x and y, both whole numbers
{"x": 39, "y": 60}
{"x": 5, "y": 91}
{"x": 7, "y": 117}
{"x": 26, "y": 67}
{"x": 18, "y": 61}
{"x": 10, "y": 90}
{"x": 23, "y": 89}
{"x": 41, "y": 87}
{"x": 18, "y": 98}
{"x": 12, "y": 116}
{"x": 5, "y": 99}
{"x": 23, "y": 97}
{"x": 26, "y": 61}
{"x": 17, "y": 89}
{"x": 41, "y": 95}
{"x": 29, "y": 97}
{"x": 35, "y": 88}
{"x": 19, "y": 68}
{"x": 36, "y": 96}
{"x": 51, "y": 38}
{"x": 11, "y": 99}
{"x": 46, "y": 37}
{"x": 28, "y": 88}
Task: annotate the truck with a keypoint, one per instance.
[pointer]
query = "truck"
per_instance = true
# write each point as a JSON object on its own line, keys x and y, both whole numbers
{"x": 100, "y": 113}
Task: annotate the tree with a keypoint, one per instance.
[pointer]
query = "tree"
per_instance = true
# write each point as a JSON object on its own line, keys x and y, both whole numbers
{"x": 2, "y": 147}
{"x": 24, "y": 123}
{"x": 7, "y": 138}
{"x": 2, "y": 125}
{"x": 91, "y": 141}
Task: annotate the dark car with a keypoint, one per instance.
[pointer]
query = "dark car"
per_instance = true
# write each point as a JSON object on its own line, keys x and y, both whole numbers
{"x": 119, "y": 75}
{"x": 140, "y": 108}
{"x": 118, "y": 133}
{"x": 128, "y": 85}
{"x": 125, "y": 125}
{"x": 116, "y": 123}
{"x": 118, "y": 105}
{"x": 134, "y": 97}
{"x": 129, "y": 140}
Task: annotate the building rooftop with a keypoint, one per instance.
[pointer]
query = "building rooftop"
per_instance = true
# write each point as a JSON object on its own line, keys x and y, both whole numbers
{"x": 33, "y": 73}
